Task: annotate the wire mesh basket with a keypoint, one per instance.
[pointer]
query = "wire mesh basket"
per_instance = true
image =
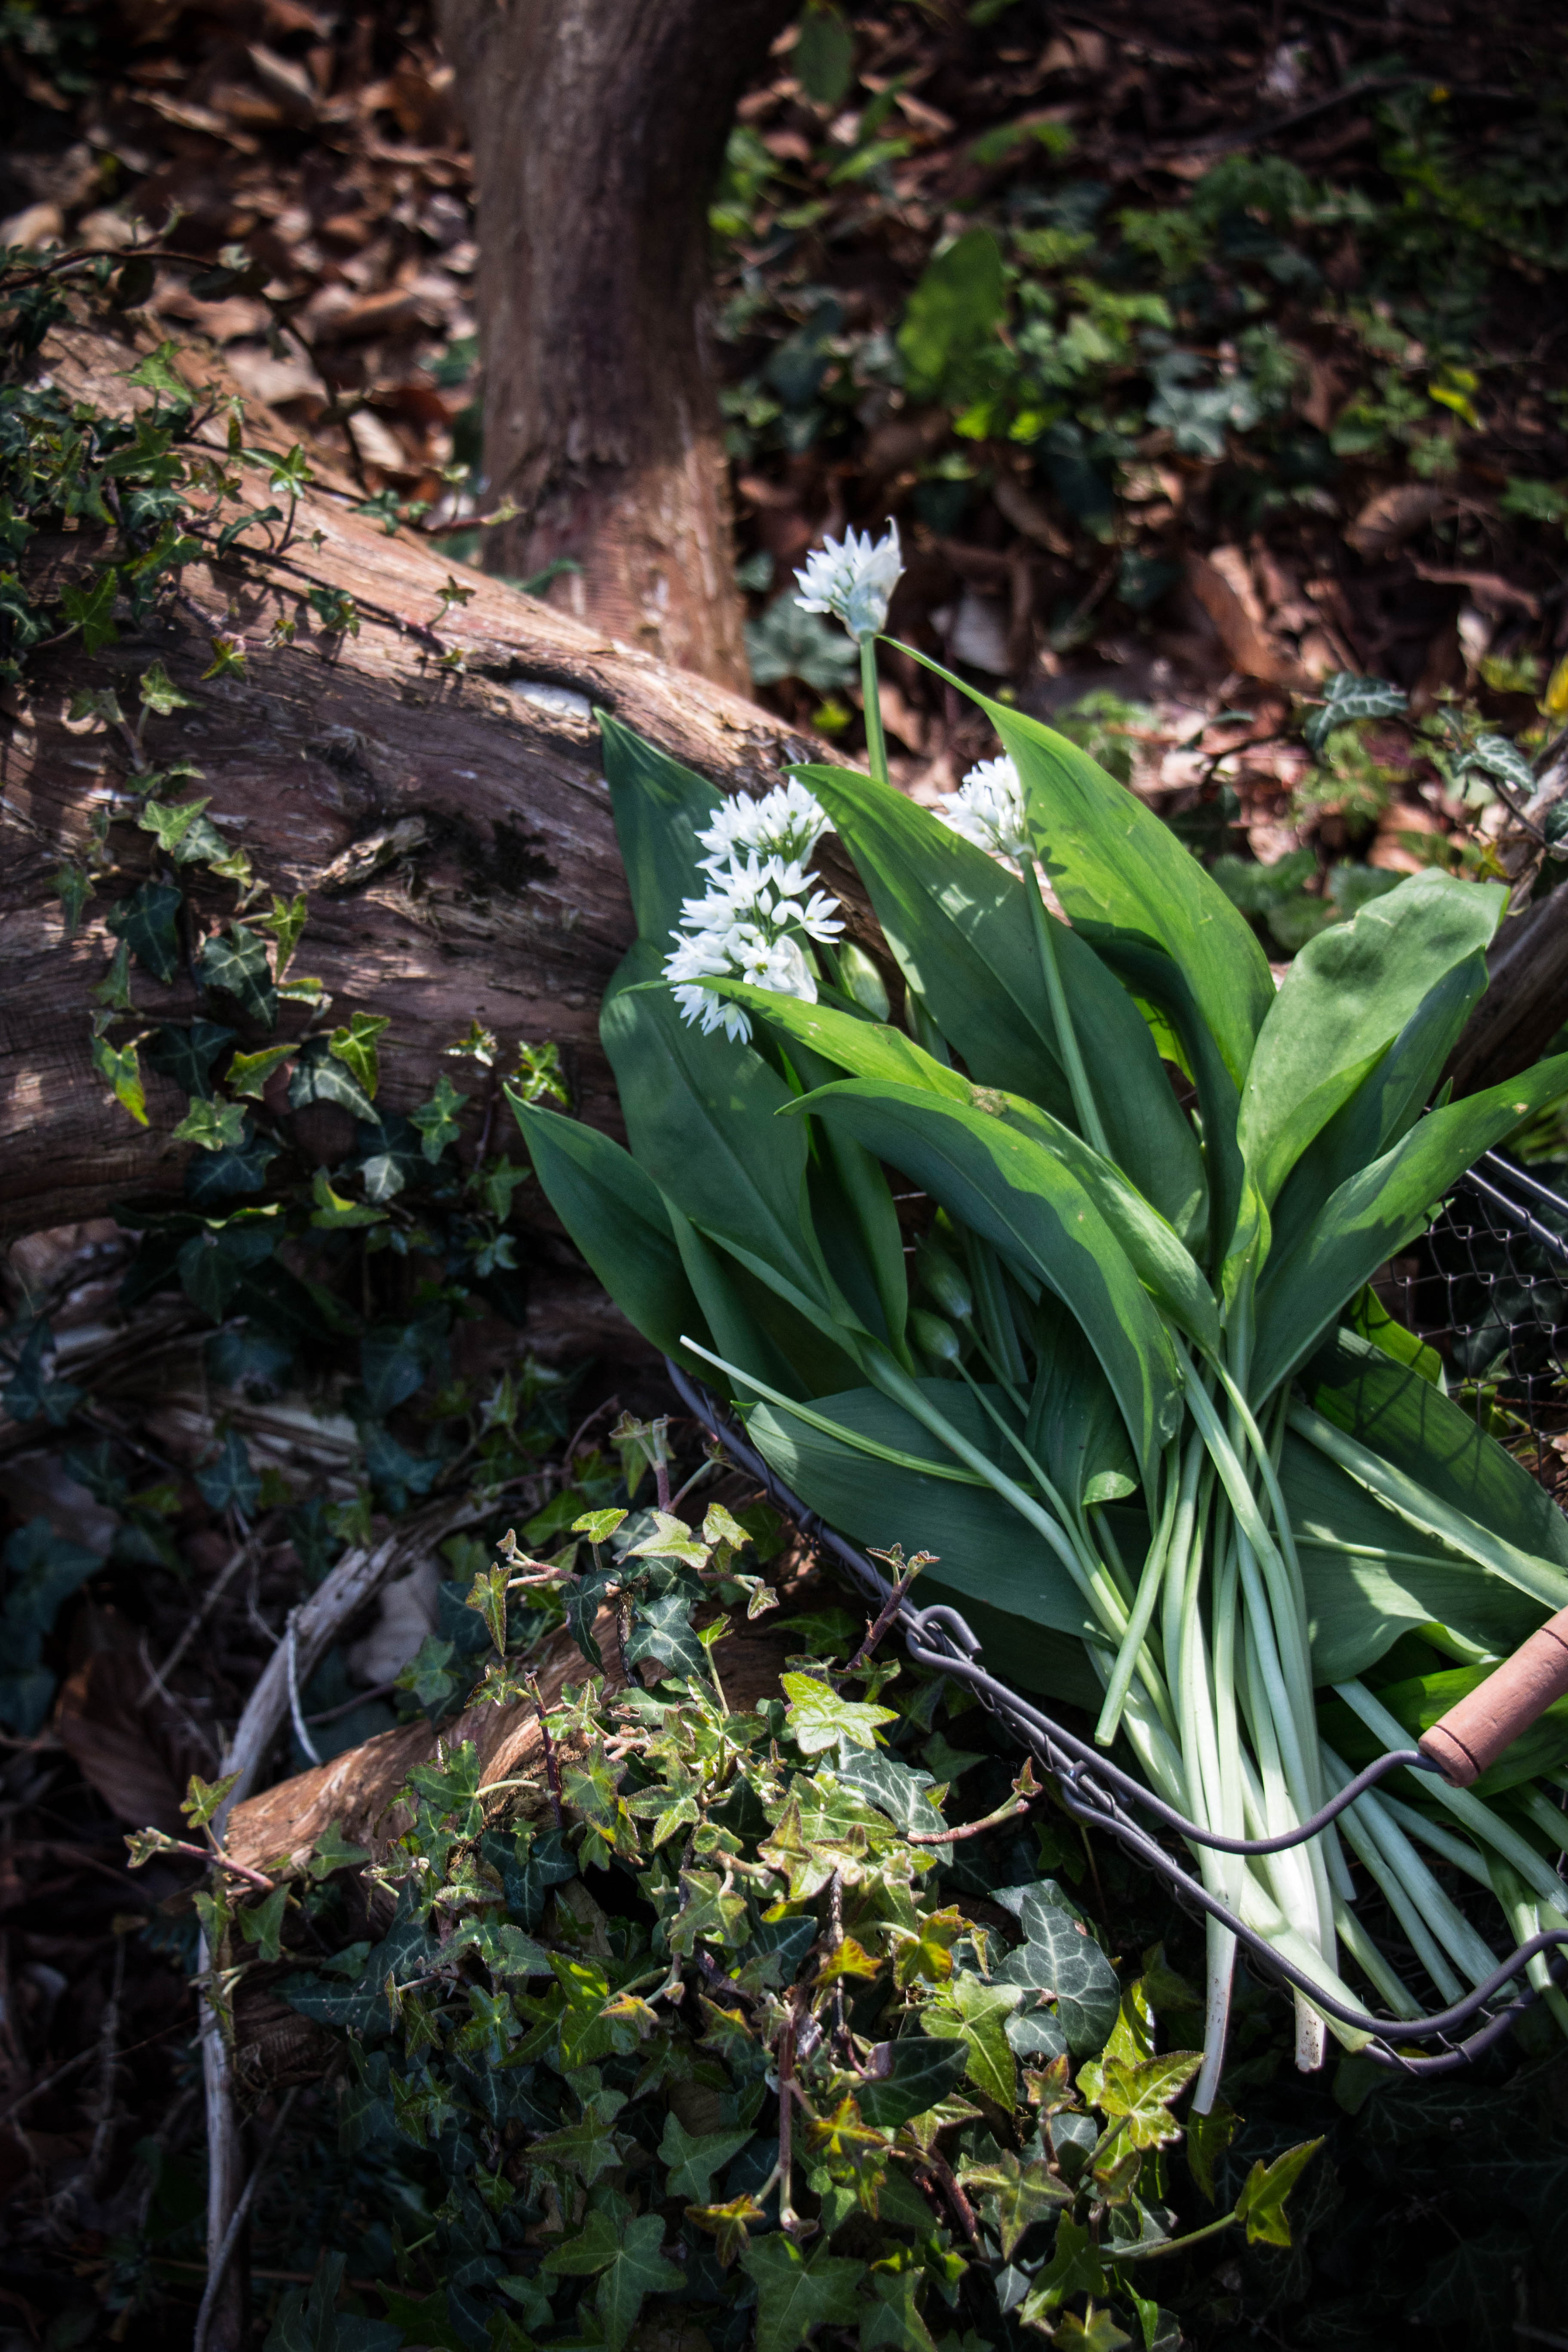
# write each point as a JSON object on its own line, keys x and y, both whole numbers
{"x": 1487, "y": 1288}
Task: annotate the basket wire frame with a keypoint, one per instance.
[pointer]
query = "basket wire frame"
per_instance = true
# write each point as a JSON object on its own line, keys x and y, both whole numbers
{"x": 1488, "y": 1288}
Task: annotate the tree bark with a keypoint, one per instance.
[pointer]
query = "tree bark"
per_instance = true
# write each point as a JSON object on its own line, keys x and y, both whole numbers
{"x": 451, "y": 829}
{"x": 599, "y": 127}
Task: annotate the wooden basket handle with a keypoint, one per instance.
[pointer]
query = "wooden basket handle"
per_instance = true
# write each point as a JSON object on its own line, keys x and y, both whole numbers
{"x": 1475, "y": 1732}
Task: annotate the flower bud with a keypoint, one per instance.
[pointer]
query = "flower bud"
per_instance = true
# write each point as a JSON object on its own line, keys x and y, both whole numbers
{"x": 943, "y": 1282}
{"x": 934, "y": 1337}
{"x": 858, "y": 978}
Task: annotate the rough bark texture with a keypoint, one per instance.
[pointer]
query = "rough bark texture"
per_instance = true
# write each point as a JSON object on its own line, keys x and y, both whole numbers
{"x": 598, "y": 129}
{"x": 453, "y": 832}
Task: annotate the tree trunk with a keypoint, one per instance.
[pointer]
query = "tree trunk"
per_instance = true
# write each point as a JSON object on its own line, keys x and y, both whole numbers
{"x": 599, "y": 127}
{"x": 451, "y": 828}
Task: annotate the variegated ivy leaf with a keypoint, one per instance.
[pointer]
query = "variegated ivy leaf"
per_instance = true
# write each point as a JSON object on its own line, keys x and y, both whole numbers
{"x": 1346, "y": 699}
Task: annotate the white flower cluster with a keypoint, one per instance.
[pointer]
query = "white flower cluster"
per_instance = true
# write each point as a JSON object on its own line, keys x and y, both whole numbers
{"x": 853, "y": 579}
{"x": 759, "y": 908}
{"x": 988, "y": 809}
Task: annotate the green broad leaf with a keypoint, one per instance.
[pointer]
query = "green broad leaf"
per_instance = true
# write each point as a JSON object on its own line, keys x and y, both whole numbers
{"x": 969, "y": 2010}
{"x": 796, "y": 2295}
{"x": 851, "y": 1042}
{"x": 661, "y": 1631}
{"x": 921, "y": 2073}
{"x": 216, "y": 1125}
{"x": 113, "y": 990}
{"x": 1261, "y": 2204}
{"x": 1343, "y": 1001}
{"x": 823, "y": 61}
{"x": 228, "y": 1483}
{"x": 659, "y": 807}
{"x": 186, "y": 1056}
{"x": 691, "y": 2159}
{"x": 699, "y": 1117}
{"x": 145, "y": 921}
{"x": 355, "y": 1047}
{"x": 1075, "y": 1430}
{"x": 986, "y": 1553}
{"x": 708, "y": 1914}
{"x": 1061, "y": 1958}
{"x": 121, "y": 1071}
{"x": 767, "y": 1344}
{"x": 819, "y": 1718}
{"x": 627, "y": 2259}
{"x": 1348, "y": 697}
{"x": 1003, "y": 1185}
{"x": 614, "y": 1213}
{"x": 890, "y": 1786}
{"x": 73, "y": 886}
{"x": 90, "y": 609}
{"x": 1138, "y": 2094}
{"x": 437, "y": 1121}
{"x": 1116, "y": 868}
{"x": 330, "y": 1851}
{"x": 1496, "y": 756}
{"x": 247, "y": 1073}
{"x": 320, "y": 1077}
{"x": 1075, "y": 2268}
{"x": 334, "y": 1214}
{"x": 960, "y": 927}
{"x": 1371, "y": 1216}
{"x": 236, "y": 964}
{"x": 158, "y": 691}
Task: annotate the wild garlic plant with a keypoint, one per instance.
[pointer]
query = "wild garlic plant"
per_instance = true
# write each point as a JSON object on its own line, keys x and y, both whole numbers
{"x": 1138, "y": 1396}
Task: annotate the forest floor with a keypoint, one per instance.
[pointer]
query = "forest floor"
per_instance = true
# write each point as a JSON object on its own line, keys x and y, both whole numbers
{"x": 1200, "y": 352}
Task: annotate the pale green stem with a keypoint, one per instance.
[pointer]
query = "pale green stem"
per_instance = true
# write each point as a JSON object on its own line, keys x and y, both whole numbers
{"x": 1148, "y": 1595}
{"x": 1478, "y": 1819}
{"x": 876, "y": 742}
{"x": 1437, "y": 1912}
{"x": 1373, "y": 1967}
{"x": 1083, "y": 1102}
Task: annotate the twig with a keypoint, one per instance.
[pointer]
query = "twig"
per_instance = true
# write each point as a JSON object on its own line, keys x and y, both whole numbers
{"x": 551, "y": 1769}
{"x": 224, "y": 2200}
{"x": 376, "y": 1690}
{"x": 218, "y": 2265}
{"x": 301, "y": 1732}
{"x": 969, "y": 1829}
{"x": 159, "y": 1676}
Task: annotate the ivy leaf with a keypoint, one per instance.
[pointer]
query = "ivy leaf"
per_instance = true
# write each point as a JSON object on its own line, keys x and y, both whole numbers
{"x": 487, "y": 1594}
{"x": 1346, "y": 699}
{"x": 661, "y": 1631}
{"x": 202, "y": 1798}
{"x": 1024, "y": 2194}
{"x": 972, "y": 2012}
{"x": 1503, "y": 760}
{"x": 320, "y": 1077}
{"x": 187, "y": 1054}
{"x": 73, "y": 888}
{"x": 158, "y": 374}
{"x": 710, "y": 1916}
{"x": 237, "y": 966}
{"x": 435, "y": 1121}
{"x": 1208, "y": 2136}
{"x": 1074, "y": 2269}
{"x": 262, "y": 1924}
{"x": 1138, "y": 2094}
{"x": 96, "y": 702}
{"x": 90, "y": 609}
{"x": 819, "y": 1718}
{"x": 248, "y": 1073}
{"x": 228, "y": 659}
{"x": 794, "y": 2296}
{"x": 182, "y": 833}
{"x": 597, "y": 1526}
{"x": 119, "y": 1067}
{"x": 1061, "y": 1958}
{"x": 285, "y": 921}
{"x": 627, "y": 2257}
{"x": 230, "y": 1483}
{"x": 160, "y": 693}
{"x": 891, "y": 1787}
{"x": 332, "y": 1850}
{"x": 113, "y": 990}
{"x": 691, "y": 2159}
{"x": 145, "y": 920}
{"x": 1096, "y": 2333}
{"x": 1261, "y": 2204}
{"x": 216, "y": 1125}
{"x": 921, "y": 2073}
{"x": 729, "y": 2224}
{"x": 333, "y": 1213}
{"x": 586, "y": 2148}
{"x": 928, "y": 1952}
{"x": 226, "y": 1176}
{"x": 30, "y": 1390}
{"x": 894, "y": 2320}
{"x": 309, "y": 2320}
{"x": 355, "y": 1048}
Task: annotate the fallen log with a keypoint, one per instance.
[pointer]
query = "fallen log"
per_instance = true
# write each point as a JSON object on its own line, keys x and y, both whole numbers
{"x": 430, "y": 779}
